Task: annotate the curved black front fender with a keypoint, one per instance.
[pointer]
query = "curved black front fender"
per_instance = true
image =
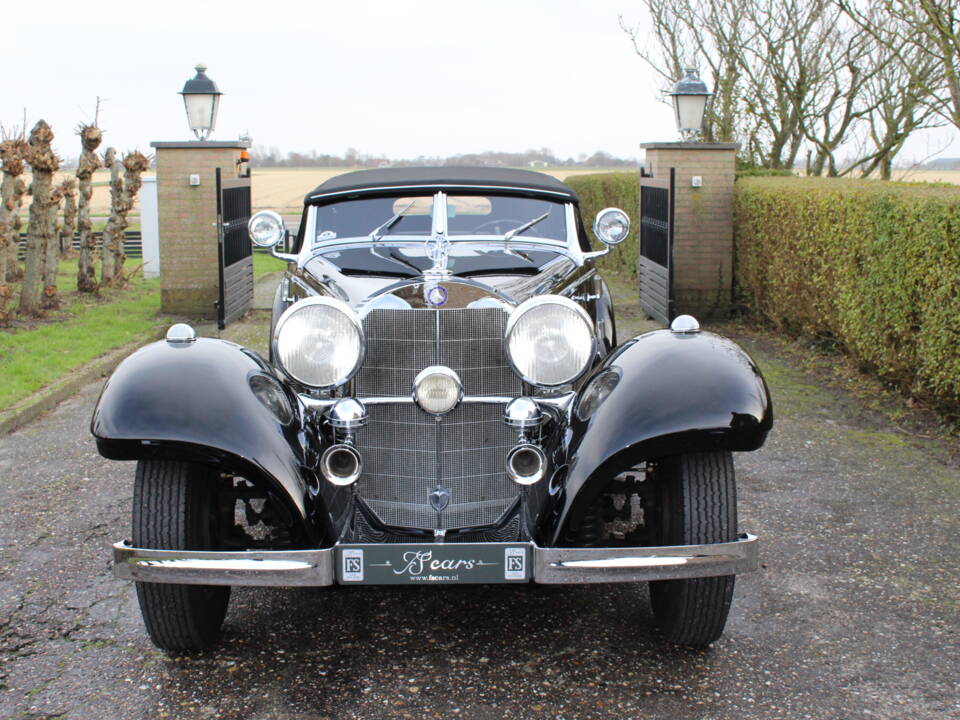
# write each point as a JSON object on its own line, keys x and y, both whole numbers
{"x": 194, "y": 401}
{"x": 673, "y": 393}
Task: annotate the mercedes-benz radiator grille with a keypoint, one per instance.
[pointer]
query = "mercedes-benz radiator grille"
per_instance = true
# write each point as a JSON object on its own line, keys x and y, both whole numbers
{"x": 406, "y": 452}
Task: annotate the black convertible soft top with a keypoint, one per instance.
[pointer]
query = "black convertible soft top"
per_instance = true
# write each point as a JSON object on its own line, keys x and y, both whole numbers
{"x": 441, "y": 178}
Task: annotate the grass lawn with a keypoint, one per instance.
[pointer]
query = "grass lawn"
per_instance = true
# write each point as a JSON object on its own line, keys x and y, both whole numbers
{"x": 264, "y": 264}
{"x": 36, "y": 354}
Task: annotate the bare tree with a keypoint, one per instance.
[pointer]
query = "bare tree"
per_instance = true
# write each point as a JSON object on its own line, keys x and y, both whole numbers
{"x": 134, "y": 163}
{"x": 69, "y": 189}
{"x": 44, "y": 163}
{"x": 685, "y": 32}
{"x": 840, "y": 102}
{"x": 765, "y": 59}
{"x": 14, "y": 271}
{"x": 12, "y": 151}
{"x": 787, "y": 67}
{"x": 900, "y": 105}
{"x": 108, "y": 249}
{"x": 51, "y": 252}
{"x": 795, "y": 74}
{"x": 926, "y": 30}
{"x": 90, "y": 138}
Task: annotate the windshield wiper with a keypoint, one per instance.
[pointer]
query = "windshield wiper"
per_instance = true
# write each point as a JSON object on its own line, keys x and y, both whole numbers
{"x": 380, "y": 230}
{"x": 510, "y": 234}
{"x": 392, "y": 257}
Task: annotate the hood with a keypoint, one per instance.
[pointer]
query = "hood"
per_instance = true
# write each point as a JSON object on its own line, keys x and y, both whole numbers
{"x": 358, "y": 275}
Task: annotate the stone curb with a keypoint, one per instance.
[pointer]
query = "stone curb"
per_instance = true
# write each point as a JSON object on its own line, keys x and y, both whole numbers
{"x": 49, "y": 397}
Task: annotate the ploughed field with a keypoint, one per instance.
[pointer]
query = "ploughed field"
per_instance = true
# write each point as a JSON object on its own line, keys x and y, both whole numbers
{"x": 273, "y": 188}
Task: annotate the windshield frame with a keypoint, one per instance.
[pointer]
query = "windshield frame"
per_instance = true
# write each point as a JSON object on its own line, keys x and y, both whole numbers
{"x": 569, "y": 219}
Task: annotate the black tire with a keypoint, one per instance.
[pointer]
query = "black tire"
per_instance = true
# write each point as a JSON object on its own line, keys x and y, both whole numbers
{"x": 698, "y": 505}
{"x": 173, "y": 509}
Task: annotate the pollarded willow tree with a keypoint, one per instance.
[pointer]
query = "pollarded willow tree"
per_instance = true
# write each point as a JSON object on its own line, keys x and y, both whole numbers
{"x": 12, "y": 151}
{"x": 44, "y": 163}
{"x": 14, "y": 271}
{"x": 122, "y": 201}
{"x": 51, "y": 252}
{"x": 69, "y": 189}
{"x": 109, "y": 241}
{"x": 90, "y": 138}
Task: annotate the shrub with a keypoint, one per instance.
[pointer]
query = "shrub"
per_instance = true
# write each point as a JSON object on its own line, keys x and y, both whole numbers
{"x": 763, "y": 172}
{"x": 873, "y": 266}
{"x": 605, "y": 190}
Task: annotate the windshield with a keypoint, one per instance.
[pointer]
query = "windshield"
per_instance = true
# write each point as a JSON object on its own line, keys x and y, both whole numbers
{"x": 467, "y": 215}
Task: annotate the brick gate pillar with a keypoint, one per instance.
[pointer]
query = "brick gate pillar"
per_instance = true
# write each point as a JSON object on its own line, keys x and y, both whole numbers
{"x": 187, "y": 208}
{"x": 703, "y": 221}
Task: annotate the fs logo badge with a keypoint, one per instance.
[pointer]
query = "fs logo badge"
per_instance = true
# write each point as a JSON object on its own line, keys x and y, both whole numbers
{"x": 515, "y": 563}
{"x": 352, "y": 570}
{"x": 437, "y": 295}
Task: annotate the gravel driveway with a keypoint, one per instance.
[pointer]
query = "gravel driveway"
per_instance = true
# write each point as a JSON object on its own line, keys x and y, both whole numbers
{"x": 855, "y": 613}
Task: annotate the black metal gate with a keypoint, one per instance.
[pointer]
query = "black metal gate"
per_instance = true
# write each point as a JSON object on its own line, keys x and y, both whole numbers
{"x": 236, "y": 256}
{"x": 656, "y": 247}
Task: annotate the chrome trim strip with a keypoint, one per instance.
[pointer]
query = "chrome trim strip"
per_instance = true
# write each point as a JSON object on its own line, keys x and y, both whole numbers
{"x": 211, "y": 567}
{"x": 592, "y": 565}
{"x": 574, "y": 251}
{"x": 321, "y": 404}
{"x": 292, "y": 568}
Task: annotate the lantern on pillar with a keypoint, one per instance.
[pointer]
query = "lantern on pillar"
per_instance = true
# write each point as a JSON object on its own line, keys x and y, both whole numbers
{"x": 690, "y": 97}
{"x": 201, "y": 98}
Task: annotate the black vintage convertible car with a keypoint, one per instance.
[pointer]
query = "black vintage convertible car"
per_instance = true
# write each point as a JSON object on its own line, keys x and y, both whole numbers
{"x": 445, "y": 401}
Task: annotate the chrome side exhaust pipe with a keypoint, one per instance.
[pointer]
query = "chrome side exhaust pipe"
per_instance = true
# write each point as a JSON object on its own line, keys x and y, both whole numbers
{"x": 341, "y": 464}
{"x": 526, "y": 464}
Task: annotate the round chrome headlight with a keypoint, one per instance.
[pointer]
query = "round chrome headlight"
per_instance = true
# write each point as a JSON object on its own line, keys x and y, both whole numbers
{"x": 437, "y": 390}
{"x": 611, "y": 226}
{"x": 549, "y": 340}
{"x": 319, "y": 342}
{"x": 266, "y": 228}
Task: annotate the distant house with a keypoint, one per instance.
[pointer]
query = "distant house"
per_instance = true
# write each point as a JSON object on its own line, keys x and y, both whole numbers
{"x": 537, "y": 163}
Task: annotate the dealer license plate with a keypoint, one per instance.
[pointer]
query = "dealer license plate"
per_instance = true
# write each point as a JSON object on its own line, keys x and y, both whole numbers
{"x": 440, "y": 563}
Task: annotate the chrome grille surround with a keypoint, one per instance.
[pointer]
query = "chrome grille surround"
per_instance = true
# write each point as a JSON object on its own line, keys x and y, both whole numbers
{"x": 406, "y": 452}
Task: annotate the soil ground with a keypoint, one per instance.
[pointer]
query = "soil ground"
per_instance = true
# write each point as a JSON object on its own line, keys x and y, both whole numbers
{"x": 854, "y": 613}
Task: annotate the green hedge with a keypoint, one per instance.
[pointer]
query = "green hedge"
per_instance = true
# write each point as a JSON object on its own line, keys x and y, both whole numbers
{"x": 873, "y": 266}
{"x": 605, "y": 190}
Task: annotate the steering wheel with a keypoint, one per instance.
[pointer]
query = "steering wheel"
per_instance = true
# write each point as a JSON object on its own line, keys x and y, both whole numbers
{"x": 481, "y": 226}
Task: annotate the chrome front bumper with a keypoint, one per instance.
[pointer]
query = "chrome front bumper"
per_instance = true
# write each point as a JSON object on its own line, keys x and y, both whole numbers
{"x": 547, "y": 565}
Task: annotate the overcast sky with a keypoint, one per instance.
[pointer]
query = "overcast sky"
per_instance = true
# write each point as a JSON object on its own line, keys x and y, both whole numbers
{"x": 399, "y": 78}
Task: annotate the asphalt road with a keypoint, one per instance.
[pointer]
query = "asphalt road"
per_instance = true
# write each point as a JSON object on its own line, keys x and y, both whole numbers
{"x": 856, "y": 612}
